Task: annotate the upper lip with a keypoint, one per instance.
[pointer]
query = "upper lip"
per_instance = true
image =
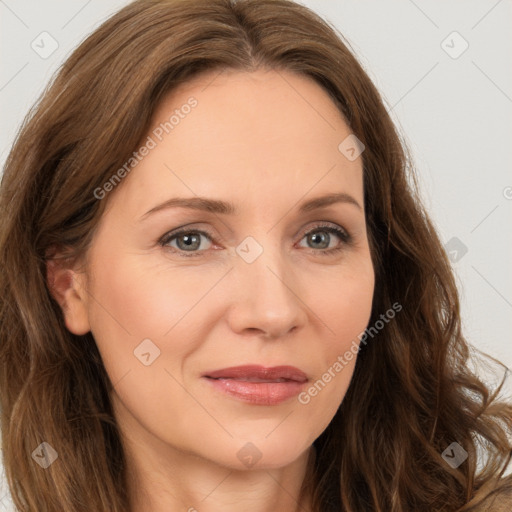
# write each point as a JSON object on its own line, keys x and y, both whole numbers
{"x": 259, "y": 372}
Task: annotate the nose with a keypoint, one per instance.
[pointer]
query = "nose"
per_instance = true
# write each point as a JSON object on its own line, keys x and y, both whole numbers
{"x": 266, "y": 297}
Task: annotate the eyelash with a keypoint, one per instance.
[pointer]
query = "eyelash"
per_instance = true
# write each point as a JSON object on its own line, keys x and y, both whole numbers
{"x": 345, "y": 237}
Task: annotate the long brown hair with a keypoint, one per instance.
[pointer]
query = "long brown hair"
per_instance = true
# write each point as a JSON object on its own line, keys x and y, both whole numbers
{"x": 411, "y": 395}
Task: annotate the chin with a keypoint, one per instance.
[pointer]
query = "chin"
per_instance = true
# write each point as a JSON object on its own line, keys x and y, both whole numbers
{"x": 261, "y": 453}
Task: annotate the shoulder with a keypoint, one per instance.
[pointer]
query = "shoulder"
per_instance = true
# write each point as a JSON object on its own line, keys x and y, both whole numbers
{"x": 497, "y": 501}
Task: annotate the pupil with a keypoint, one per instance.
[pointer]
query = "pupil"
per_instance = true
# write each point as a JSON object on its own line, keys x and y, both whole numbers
{"x": 189, "y": 240}
{"x": 316, "y": 235}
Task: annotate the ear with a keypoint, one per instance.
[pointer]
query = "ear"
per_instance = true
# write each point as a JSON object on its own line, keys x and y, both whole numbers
{"x": 68, "y": 287}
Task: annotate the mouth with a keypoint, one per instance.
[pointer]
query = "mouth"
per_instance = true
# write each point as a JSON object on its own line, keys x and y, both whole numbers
{"x": 256, "y": 373}
{"x": 258, "y": 385}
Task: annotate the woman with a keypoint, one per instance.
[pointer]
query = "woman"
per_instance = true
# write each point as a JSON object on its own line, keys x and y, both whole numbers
{"x": 171, "y": 336}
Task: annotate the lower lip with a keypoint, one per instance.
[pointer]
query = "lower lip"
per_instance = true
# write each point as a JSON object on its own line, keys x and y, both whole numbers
{"x": 259, "y": 393}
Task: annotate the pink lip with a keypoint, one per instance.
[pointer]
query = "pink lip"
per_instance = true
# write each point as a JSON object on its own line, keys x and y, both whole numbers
{"x": 258, "y": 384}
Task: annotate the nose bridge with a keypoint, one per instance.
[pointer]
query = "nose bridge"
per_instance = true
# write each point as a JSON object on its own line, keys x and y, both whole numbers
{"x": 266, "y": 298}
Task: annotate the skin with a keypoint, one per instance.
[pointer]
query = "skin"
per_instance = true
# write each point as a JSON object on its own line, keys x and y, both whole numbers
{"x": 266, "y": 141}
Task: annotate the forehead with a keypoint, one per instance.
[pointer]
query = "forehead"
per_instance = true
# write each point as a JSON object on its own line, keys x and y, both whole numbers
{"x": 254, "y": 135}
{"x": 244, "y": 110}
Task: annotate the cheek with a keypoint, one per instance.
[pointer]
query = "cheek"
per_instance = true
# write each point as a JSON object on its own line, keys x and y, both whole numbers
{"x": 344, "y": 309}
{"x": 345, "y": 304}
{"x": 170, "y": 305}
{"x": 146, "y": 302}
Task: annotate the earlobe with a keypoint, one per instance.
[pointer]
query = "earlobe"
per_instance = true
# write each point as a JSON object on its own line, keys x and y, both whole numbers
{"x": 67, "y": 287}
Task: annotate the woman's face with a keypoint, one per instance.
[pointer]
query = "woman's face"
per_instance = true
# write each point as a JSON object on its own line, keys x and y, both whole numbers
{"x": 267, "y": 284}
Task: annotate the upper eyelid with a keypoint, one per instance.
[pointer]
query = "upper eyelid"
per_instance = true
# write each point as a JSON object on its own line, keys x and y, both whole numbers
{"x": 191, "y": 229}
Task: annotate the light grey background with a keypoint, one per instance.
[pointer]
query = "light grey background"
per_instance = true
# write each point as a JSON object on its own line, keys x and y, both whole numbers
{"x": 455, "y": 112}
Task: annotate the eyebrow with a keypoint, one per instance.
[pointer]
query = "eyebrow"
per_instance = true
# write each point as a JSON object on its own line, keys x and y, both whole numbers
{"x": 222, "y": 207}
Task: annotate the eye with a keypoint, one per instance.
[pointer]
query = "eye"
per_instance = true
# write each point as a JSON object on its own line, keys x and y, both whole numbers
{"x": 321, "y": 235}
{"x": 189, "y": 240}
